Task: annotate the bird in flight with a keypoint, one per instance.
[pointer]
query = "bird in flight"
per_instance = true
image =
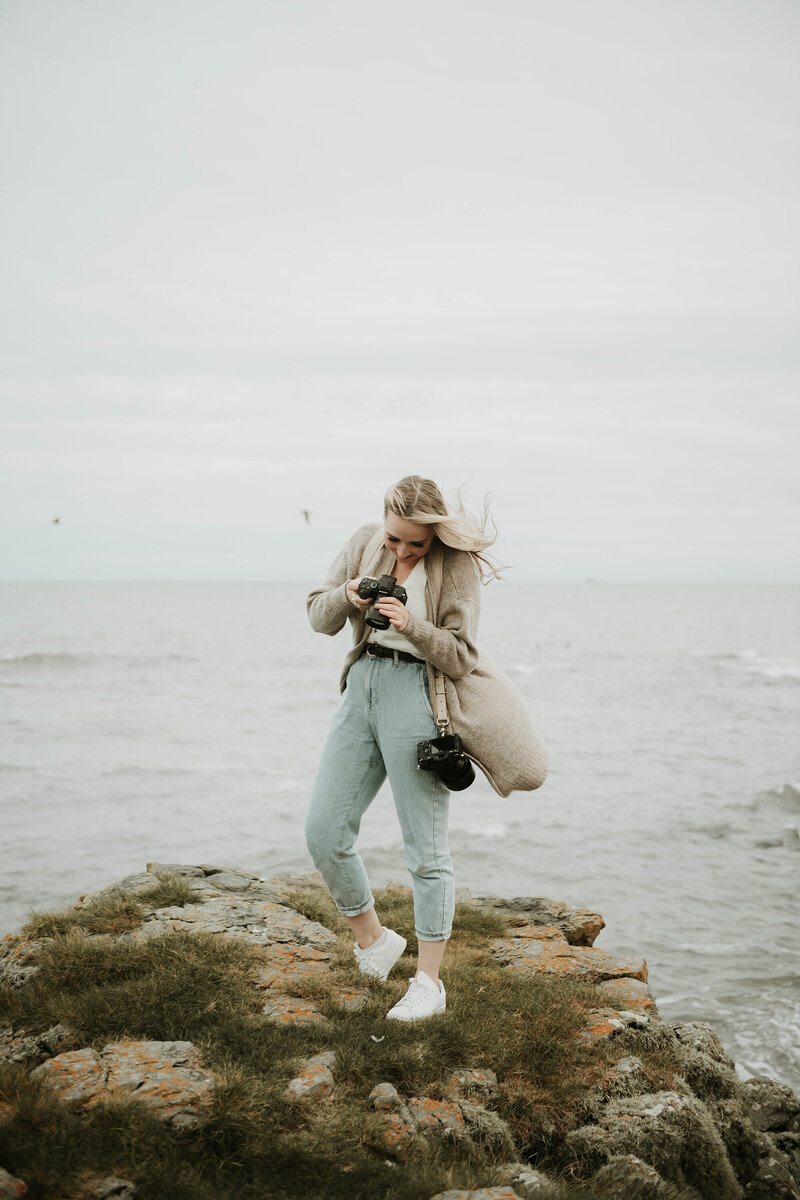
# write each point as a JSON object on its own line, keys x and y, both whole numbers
{"x": 305, "y": 513}
{"x": 56, "y": 521}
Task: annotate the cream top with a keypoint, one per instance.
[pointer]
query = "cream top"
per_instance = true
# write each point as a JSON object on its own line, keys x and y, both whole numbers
{"x": 415, "y": 586}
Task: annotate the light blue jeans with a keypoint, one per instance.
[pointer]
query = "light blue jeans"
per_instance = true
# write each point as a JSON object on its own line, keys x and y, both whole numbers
{"x": 384, "y": 712}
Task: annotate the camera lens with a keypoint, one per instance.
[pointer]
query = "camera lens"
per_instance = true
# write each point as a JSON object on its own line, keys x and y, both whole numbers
{"x": 456, "y": 772}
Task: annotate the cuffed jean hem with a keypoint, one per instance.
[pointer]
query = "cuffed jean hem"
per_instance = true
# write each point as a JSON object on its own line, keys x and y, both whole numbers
{"x": 433, "y": 937}
{"x": 357, "y": 912}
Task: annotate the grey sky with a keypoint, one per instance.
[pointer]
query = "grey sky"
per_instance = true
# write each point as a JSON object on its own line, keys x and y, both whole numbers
{"x": 264, "y": 256}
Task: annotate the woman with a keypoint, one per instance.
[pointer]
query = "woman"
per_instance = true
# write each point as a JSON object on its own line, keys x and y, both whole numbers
{"x": 386, "y": 711}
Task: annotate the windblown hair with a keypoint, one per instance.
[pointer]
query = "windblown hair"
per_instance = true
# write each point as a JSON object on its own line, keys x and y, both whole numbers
{"x": 417, "y": 499}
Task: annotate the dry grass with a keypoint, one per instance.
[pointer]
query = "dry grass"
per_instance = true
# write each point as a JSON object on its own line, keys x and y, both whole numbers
{"x": 113, "y": 913}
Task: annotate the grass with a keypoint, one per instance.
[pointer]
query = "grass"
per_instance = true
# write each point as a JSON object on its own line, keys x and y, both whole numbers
{"x": 256, "y": 1142}
{"x": 115, "y": 912}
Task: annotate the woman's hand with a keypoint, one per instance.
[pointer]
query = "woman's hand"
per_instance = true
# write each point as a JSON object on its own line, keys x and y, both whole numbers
{"x": 351, "y": 589}
{"x": 395, "y": 611}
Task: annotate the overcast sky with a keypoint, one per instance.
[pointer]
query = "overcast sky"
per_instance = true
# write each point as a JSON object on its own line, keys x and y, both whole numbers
{"x": 267, "y": 255}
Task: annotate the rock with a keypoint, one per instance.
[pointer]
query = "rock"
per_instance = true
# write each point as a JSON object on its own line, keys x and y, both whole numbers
{"x": 111, "y": 1187}
{"x": 312, "y": 881}
{"x": 206, "y": 880}
{"x": 672, "y": 1132}
{"x": 11, "y": 1188}
{"x": 208, "y": 869}
{"x": 229, "y": 881}
{"x": 621, "y": 1074}
{"x": 159, "y": 870}
{"x": 18, "y": 958}
{"x": 159, "y": 1073}
{"x": 580, "y": 926}
{"x": 436, "y": 1115}
{"x": 625, "y": 1078}
{"x": 524, "y": 1179}
{"x": 412, "y": 1123}
{"x": 629, "y": 994}
{"x": 289, "y": 1010}
{"x": 262, "y": 922}
{"x": 31, "y": 1049}
{"x": 768, "y": 1104}
{"x": 129, "y": 886}
{"x": 705, "y": 1066}
{"x": 601, "y": 1024}
{"x": 351, "y": 999}
{"x": 625, "y": 1175}
{"x": 773, "y": 1179}
{"x": 315, "y": 1079}
{"x": 490, "y": 1193}
{"x": 466, "y": 1081}
{"x": 789, "y": 1144}
{"x": 536, "y": 948}
{"x": 385, "y": 1097}
{"x": 289, "y": 962}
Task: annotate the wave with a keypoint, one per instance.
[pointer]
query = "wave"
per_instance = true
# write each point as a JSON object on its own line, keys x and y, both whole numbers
{"x": 786, "y": 798}
{"x": 752, "y": 662}
{"x": 39, "y": 658}
{"x": 190, "y": 769}
{"x": 63, "y": 658}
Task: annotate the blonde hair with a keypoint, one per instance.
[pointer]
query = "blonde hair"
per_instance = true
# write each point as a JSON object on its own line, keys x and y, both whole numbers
{"x": 419, "y": 500}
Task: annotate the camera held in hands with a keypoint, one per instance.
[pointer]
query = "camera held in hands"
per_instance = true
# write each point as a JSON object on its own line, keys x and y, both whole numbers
{"x": 377, "y": 589}
{"x": 445, "y": 755}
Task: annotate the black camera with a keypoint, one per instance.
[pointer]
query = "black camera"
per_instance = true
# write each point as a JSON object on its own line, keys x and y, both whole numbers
{"x": 375, "y": 590}
{"x": 445, "y": 755}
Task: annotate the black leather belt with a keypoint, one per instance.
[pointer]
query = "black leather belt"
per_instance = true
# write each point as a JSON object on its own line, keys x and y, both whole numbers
{"x": 373, "y": 650}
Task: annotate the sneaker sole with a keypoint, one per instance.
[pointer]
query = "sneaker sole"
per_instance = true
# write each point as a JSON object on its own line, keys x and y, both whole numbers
{"x": 410, "y": 1020}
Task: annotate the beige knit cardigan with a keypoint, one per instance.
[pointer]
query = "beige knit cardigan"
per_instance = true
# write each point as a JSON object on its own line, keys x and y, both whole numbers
{"x": 484, "y": 707}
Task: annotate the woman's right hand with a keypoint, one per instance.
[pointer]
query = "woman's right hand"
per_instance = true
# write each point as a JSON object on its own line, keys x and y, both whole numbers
{"x": 351, "y": 588}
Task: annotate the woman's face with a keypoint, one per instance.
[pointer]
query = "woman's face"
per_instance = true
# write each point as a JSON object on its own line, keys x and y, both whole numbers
{"x": 407, "y": 541}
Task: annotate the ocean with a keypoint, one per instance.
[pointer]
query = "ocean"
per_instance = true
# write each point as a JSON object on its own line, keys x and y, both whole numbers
{"x": 177, "y": 722}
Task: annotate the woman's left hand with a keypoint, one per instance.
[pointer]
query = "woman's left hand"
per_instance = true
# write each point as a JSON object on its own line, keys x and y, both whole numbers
{"x": 395, "y": 611}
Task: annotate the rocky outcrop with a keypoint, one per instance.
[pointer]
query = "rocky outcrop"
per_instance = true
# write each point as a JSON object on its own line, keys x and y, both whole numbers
{"x": 410, "y": 1125}
{"x": 706, "y": 1136}
{"x": 164, "y": 1074}
{"x": 536, "y": 948}
{"x": 580, "y": 926}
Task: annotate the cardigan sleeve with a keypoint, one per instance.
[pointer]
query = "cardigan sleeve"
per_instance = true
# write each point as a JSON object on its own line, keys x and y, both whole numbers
{"x": 450, "y": 645}
{"x": 327, "y": 606}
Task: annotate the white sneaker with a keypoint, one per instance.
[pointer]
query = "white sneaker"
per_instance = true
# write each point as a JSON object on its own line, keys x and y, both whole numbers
{"x": 423, "y": 999}
{"x": 378, "y": 959}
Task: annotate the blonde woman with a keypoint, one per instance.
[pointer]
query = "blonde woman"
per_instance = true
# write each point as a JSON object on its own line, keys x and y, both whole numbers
{"x": 386, "y": 710}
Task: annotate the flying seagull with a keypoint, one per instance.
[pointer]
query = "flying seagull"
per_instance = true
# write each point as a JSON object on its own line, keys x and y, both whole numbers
{"x": 55, "y": 521}
{"x": 305, "y": 513}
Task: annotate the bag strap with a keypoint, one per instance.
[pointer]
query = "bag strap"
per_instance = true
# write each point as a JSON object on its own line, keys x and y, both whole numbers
{"x": 440, "y": 700}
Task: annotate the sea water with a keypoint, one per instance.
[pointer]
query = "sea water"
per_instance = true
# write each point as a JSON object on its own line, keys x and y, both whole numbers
{"x": 182, "y": 723}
